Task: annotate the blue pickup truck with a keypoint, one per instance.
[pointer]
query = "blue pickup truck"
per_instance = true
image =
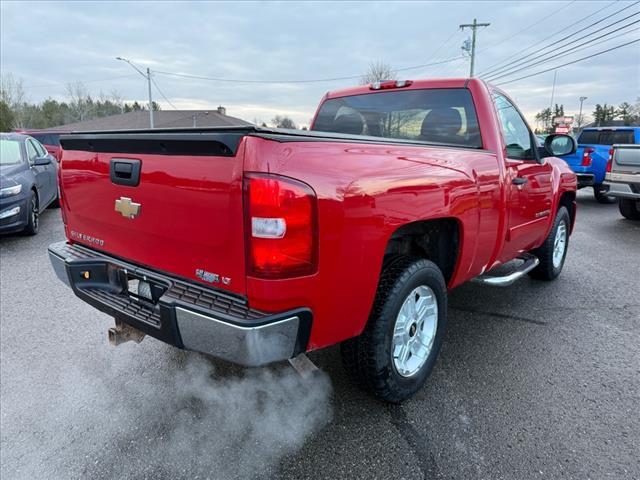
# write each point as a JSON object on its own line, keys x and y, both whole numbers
{"x": 590, "y": 160}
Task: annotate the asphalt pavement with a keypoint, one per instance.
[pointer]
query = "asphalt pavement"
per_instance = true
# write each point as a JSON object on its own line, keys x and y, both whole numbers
{"x": 538, "y": 380}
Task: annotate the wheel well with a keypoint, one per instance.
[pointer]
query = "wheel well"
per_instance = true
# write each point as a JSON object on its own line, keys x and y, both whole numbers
{"x": 35, "y": 190}
{"x": 436, "y": 240}
{"x": 567, "y": 199}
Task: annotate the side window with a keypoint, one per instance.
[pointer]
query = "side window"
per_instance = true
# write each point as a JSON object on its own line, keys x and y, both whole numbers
{"x": 516, "y": 133}
{"x": 42, "y": 152}
{"x": 32, "y": 153}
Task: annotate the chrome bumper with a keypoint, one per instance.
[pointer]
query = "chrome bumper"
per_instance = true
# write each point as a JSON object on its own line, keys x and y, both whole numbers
{"x": 625, "y": 185}
{"x": 186, "y": 315}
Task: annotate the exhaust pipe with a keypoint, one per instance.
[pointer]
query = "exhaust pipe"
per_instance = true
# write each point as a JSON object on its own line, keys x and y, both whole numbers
{"x": 123, "y": 333}
{"x": 303, "y": 365}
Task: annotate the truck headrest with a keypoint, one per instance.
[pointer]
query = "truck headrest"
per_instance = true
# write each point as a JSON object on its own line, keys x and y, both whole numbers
{"x": 350, "y": 123}
{"x": 441, "y": 125}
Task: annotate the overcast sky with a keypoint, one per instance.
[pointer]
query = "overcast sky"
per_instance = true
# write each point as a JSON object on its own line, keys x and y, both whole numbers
{"x": 51, "y": 43}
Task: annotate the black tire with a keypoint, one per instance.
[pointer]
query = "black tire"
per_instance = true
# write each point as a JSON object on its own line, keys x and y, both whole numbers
{"x": 629, "y": 209}
{"x": 547, "y": 270}
{"x": 601, "y": 195}
{"x": 369, "y": 357}
{"x": 34, "y": 215}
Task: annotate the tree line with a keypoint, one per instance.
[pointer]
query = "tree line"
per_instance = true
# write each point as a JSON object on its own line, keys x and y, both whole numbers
{"x": 601, "y": 116}
{"x": 16, "y": 112}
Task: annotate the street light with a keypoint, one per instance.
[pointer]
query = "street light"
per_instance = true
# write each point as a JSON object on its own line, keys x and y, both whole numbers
{"x": 148, "y": 77}
{"x": 582, "y": 99}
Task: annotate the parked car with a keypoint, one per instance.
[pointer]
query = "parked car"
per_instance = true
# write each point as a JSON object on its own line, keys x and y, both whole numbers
{"x": 50, "y": 139}
{"x": 28, "y": 183}
{"x": 590, "y": 159}
{"x": 623, "y": 179}
{"x": 256, "y": 245}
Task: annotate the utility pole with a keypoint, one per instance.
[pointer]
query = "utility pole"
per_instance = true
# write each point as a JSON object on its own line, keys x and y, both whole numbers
{"x": 553, "y": 92}
{"x": 147, "y": 76}
{"x": 473, "y": 26}
{"x": 582, "y": 99}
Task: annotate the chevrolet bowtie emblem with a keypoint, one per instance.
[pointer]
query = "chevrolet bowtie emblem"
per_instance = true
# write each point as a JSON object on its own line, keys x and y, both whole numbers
{"x": 127, "y": 208}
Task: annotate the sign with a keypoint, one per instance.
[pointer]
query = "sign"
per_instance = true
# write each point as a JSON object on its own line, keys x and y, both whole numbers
{"x": 563, "y": 120}
{"x": 563, "y": 129}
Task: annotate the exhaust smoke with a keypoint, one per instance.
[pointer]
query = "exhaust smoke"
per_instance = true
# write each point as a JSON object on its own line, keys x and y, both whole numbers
{"x": 150, "y": 411}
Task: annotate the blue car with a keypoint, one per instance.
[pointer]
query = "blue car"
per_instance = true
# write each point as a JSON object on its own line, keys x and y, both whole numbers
{"x": 28, "y": 183}
{"x": 590, "y": 160}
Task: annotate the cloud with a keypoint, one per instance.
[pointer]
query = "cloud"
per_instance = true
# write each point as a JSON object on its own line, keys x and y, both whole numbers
{"x": 287, "y": 40}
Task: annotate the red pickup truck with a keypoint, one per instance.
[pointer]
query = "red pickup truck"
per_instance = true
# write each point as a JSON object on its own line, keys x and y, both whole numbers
{"x": 256, "y": 245}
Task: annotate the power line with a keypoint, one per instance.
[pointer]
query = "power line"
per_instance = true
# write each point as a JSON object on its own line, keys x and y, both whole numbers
{"x": 316, "y": 80}
{"x": 519, "y": 32}
{"x": 570, "y": 63}
{"x": 523, "y": 63}
{"x": 162, "y": 93}
{"x": 561, "y": 53}
{"x": 520, "y": 53}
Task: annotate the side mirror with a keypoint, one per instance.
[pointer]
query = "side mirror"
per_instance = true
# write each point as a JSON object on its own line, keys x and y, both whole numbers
{"x": 559, "y": 144}
{"x": 46, "y": 160}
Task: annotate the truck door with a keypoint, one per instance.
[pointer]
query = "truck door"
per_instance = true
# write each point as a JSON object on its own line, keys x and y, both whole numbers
{"x": 530, "y": 193}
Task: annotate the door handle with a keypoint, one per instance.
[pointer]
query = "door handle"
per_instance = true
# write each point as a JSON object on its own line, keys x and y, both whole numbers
{"x": 124, "y": 171}
{"x": 519, "y": 181}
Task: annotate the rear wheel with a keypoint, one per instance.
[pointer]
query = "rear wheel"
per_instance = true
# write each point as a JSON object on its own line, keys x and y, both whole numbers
{"x": 629, "y": 208}
{"x": 600, "y": 192}
{"x": 553, "y": 251}
{"x": 33, "y": 222}
{"x": 398, "y": 348}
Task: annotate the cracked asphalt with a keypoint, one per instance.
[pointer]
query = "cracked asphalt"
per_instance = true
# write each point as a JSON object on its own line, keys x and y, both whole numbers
{"x": 538, "y": 380}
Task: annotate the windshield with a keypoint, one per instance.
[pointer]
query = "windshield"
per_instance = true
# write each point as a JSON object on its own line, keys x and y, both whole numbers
{"x": 47, "y": 139}
{"x": 445, "y": 116}
{"x": 606, "y": 137}
{"x": 9, "y": 152}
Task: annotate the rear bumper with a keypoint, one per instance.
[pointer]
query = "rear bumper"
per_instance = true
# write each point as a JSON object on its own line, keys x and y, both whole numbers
{"x": 623, "y": 185}
{"x": 184, "y": 315}
{"x": 585, "y": 179}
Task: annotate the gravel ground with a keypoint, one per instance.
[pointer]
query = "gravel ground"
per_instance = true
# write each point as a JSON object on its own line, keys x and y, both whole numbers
{"x": 538, "y": 380}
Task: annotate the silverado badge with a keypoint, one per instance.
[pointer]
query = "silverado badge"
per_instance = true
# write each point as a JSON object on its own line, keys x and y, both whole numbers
{"x": 127, "y": 208}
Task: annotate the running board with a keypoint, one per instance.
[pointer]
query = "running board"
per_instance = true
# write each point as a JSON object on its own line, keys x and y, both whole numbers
{"x": 530, "y": 262}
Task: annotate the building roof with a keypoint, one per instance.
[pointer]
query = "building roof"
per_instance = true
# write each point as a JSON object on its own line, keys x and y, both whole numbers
{"x": 161, "y": 119}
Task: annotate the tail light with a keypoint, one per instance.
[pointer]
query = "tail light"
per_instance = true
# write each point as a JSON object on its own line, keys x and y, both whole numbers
{"x": 610, "y": 160}
{"x": 387, "y": 84}
{"x": 586, "y": 157}
{"x": 281, "y": 226}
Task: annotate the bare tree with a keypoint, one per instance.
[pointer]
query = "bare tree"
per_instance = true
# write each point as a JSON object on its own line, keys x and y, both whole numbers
{"x": 116, "y": 97}
{"x": 377, "y": 71}
{"x": 283, "y": 122}
{"x": 79, "y": 100}
{"x": 12, "y": 94}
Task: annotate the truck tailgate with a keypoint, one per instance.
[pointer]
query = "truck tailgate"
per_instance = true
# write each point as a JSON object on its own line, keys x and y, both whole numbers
{"x": 182, "y": 214}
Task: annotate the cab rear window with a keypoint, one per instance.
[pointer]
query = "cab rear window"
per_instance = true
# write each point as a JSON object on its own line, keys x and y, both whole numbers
{"x": 606, "y": 137}
{"x": 441, "y": 116}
